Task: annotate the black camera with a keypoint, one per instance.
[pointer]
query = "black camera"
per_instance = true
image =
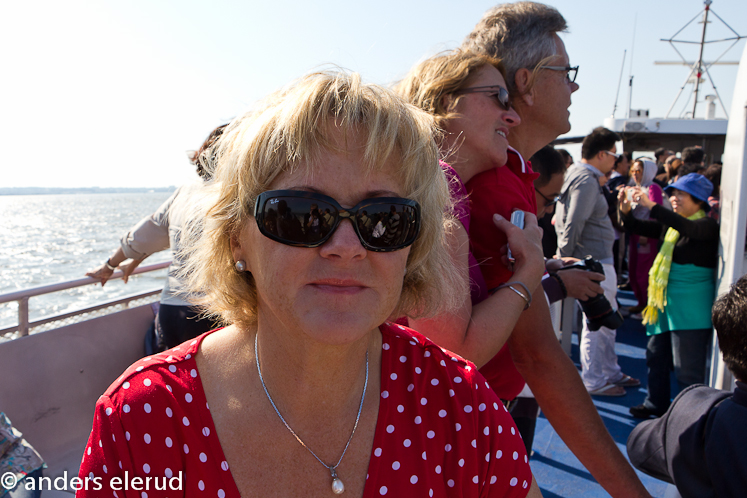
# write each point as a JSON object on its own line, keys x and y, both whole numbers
{"x": 598, "y": 310}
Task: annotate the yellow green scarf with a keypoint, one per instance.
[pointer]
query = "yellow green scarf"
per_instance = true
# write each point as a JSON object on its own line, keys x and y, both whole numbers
{"x": 658, "y": 276}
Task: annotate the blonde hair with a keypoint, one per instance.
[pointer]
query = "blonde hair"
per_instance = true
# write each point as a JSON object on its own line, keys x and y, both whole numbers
{"x": 443, "y": 74}
{"x": 295, "y": 126}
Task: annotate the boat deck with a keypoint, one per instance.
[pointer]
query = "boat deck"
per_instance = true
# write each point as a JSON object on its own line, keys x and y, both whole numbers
{"x": 558, "y": 472}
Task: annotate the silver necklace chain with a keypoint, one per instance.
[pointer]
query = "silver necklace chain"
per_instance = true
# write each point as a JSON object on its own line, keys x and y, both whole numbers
{"x": 332, "y": 468}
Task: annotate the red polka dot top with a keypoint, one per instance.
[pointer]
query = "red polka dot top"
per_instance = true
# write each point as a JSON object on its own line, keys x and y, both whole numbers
{"x": 441, "y": 431}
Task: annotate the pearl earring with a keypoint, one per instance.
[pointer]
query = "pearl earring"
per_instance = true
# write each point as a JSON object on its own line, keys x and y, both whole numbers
{"x": 240, "y": 265}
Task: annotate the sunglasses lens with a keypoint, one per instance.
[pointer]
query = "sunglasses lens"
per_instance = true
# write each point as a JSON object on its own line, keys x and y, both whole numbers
{"x": 387, "y": 225}
{"x": 296, "y": 220}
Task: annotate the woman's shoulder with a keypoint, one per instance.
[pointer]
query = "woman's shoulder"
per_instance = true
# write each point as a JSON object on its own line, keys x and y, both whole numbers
{"x": 171, "y": 374}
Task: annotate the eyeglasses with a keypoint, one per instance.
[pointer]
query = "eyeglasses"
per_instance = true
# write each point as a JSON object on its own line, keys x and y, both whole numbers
{"x": 305, "y": 219}
{"x": 548, "y": 202}
{"x": 500, "y": 94}
{"x": 571, "y": 72}
{"x": 613, "y": 154}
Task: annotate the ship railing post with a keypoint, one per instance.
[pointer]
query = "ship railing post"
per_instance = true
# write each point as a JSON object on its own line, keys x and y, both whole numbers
{"x": 23, "y": 316}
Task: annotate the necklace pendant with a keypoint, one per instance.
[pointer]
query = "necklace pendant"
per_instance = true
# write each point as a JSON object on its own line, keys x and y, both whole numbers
{"x": 338, "y": 487}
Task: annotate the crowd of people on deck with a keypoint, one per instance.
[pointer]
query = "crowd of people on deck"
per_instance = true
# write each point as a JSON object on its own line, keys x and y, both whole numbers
{"x": 351, "y": 309}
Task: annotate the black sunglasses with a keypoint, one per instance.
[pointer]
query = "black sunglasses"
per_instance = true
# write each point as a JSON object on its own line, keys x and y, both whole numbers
{"x": 500, "y": 94}
{"x": 570, "y": 72}
{"x": 548, "y": 202}
{"x": 304, "y": 219}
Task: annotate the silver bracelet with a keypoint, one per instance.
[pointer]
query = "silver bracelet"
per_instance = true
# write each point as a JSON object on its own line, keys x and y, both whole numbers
{"x": 527, "y": 298}
{"x": 108, "y": 265}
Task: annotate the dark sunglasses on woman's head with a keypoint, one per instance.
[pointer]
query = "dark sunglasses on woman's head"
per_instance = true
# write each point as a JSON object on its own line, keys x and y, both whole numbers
{"x": 306, "y": 219}
{"x": 500, "y": 94}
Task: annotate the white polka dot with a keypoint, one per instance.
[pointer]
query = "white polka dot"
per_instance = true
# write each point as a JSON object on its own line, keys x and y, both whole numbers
{"x": 90, "y": 474}
{"x": 475, "y": 480}
{"x": 438, "y": 469}
{"x": 487, "y": 457}
{"x": 418, "y": 419}
{"x": 105, "y": 470}
{"x": 486, "y": 430}
{"x": 450, "y": 483}
{"x": 224, "y": 465}
{"x": 430, "y": 493}
{"x": 413, "y": 343}
{"x": 461, "y": 462}
{"x": 395, "y": 465}
{"x": 467, "y": 409}
{"x": 500, "y": 429}
{"x": 451, "y": 393}
{"x": 384, "y": 394}
{"x": 390, "y": 428}
{"x": 382, "y": 490}
{"x": 172, "y": 369}
{"x": 443, "y": 363}
{"x": 457, "y": 380}
{"x": 120, "y": 465}
{"x": 524, "y": 485}
{"x": 526, "y": 459}
{"x": 203, "y": 457}
{"x": 146, "y": 382}
{"x": 139, "y": 369}
{"x": 115, "y": 494}
{"x": 410, "y": 388}
{"x": 169, "y": 413}
{"x": 482, "y": 407}
{"x": 188, "y": 398}
{"x": 169, "y": 442}
{"x": 143, "y": 495}
{"x": 185, "y": 421}
{"x": 407, "y": 443}
{"x": 205, "y": 431}
{"x": 458, "y": 426}
{"x": 146, "y": 438}
{"x": 514, "y": 481}
{"x": 430, "y": 435}
{"x": 377, "y": 452}
{"x": 201, "y": 485}
{"x": 493, "y": 480}
{"x": 169, "y": 388}
{"x": 146, "y": 468}
{"x": 498, "y": 454}
{"x": 221, "y": 493}
{"x": 447, "y": 447}
{"x": 402, "y": 359}
{"x": 385, "y": 346}
{"x": 126, "y": 385}
{"x": 513, "y": 431}
{"x": 427, "y": 354}
{"x": 193, "y": 373}
{"x": 417, "y": 370}
{"x": 495, "y": 405}
{"x": 400, "y": 408}
{"x": 423, "y": 401}
{"x": 516, "y": 455}
{"x": 474, "y": 443}
{"x": 127, "y": 435}
{"x": 442, "y": 413}
{"x": 413, "y": 479}
{"x": 424, "y": 456}
{"x": 146, "y": 407}
{"x": 126, "y": 408}
{"x": 186, "y": 449}
{"x": 434, "y": 382}
{"x": 100, "y": 445}
{"x": 393, "y": 376}
{"x": 168, "y": 473}
{"x": 188, "y": 356}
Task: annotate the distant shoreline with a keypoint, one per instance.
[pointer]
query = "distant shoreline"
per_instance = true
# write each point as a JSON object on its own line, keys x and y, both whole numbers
{"x": 81, "y": 190}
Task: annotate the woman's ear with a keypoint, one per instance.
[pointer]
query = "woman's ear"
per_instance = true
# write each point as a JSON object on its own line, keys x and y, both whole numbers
{"x": 447, "y": 100}
{"x": 236, "y": 249}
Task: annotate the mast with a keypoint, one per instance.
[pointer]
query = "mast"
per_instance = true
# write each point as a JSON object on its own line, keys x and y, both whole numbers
{"x": 699, "y": 67}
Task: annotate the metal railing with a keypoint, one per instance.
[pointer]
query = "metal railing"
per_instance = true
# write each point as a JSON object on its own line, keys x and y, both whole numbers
{"x": 22, "y": 298}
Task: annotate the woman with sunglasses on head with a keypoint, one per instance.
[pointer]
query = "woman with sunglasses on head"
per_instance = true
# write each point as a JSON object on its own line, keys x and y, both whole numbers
{"x": 466, "y": 92}
{"x": 311, "y": 391}
{"x": 681, "y": 286}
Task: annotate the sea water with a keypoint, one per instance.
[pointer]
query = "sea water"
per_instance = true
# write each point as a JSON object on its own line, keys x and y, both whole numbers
{"x": 46, "y": 239}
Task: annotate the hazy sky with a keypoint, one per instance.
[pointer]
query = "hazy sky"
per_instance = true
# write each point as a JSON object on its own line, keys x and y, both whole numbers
{"x": 104, "y": 93}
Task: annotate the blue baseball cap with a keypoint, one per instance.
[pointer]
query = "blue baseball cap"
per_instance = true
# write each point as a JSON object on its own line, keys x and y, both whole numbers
{"x": 694, "y": 184}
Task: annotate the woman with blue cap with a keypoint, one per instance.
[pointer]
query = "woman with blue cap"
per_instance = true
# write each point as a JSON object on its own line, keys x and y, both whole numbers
{"x": 681, "y": 286}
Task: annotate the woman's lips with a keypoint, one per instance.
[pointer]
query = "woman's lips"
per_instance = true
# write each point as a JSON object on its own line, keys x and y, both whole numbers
{"x": 339, "y": 286}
